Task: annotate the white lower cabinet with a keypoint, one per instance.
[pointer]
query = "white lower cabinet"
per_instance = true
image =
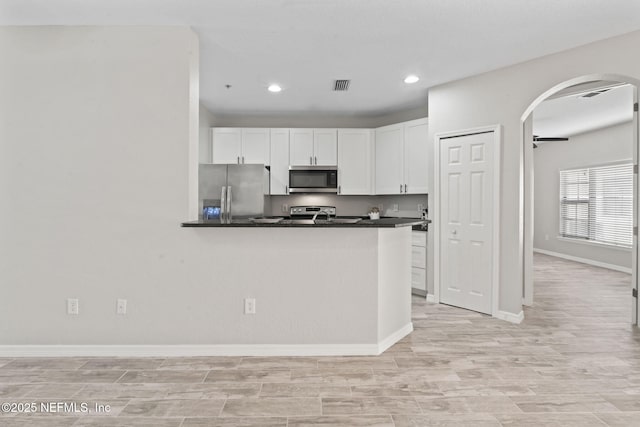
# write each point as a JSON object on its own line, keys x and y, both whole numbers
{"x": 419, "y": 263}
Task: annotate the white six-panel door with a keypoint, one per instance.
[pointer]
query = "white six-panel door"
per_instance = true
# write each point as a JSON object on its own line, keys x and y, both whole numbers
{"x": 466, "y": 215}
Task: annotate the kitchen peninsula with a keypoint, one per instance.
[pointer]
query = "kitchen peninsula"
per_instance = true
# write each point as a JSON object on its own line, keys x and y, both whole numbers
{"x": 319, "y": 289}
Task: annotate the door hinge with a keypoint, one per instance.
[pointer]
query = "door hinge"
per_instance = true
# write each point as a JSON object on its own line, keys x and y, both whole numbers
{"x": 635, "y": 107}
{"x": 635, "y": 169}
{"x": 634, "y": 293}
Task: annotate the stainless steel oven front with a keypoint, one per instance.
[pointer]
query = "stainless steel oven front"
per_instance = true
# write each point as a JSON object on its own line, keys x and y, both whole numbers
{"x": 313, "y": 179}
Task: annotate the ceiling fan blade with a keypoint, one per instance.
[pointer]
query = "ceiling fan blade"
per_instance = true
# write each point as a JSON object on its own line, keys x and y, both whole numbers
{"x": 541, "y": 138}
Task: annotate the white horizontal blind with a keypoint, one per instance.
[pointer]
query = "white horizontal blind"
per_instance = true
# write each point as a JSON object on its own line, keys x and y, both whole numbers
{"x": 596, "y": 204}
{"x": 574, "y": 203}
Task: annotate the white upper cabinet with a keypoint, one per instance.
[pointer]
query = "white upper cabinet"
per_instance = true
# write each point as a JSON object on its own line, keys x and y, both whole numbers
{"x": 325, "y": 147}
{"x": 401, "y": 158}
{"x": 310, "y": 147}
{"x": 389, "y": 160}
{"x": 255, "y": 146}
{"x": 279, "y": 161}
{"x": 301, "y": 147}
{"x": 240, "y": 145}
{"x": 415, "y": 156}
{"x": 355, "y": 161}
{"x": 226, "y": 145}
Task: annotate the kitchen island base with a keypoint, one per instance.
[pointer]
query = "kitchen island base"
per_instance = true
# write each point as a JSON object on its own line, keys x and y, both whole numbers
{"x": 317, "y": 291}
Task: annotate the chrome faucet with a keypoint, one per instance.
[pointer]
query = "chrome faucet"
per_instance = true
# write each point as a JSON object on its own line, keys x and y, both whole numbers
{"x": 320, "y": 212}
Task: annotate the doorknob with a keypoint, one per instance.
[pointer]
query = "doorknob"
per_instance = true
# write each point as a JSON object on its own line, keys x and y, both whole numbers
{"x": 454, "y": 232}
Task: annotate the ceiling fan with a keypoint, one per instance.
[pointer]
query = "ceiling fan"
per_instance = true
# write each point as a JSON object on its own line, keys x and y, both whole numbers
{"x": 537, "y": 138}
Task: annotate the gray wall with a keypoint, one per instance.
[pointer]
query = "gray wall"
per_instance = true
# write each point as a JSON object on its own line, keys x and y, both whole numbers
{"x": 206, "y": 121}
{"x": 319, "y": 120}
{"x": 354, "y": 205}
{"x": 501, "y": 97}
{"x": 588, "y": 149}
{"x": 99, "y": 138}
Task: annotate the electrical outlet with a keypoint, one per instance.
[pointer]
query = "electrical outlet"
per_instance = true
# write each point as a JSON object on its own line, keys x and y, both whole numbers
{"x": 121, "y": 306}
{"x": 381, "y": 207}
{"x": 285, "y": 208}
{"x": 249, "y": 306}
{"x": 395, "y": 207}
{"x": 73, "y": 306}
{"x": 546, "y": 237}
{"x": 420, "y": 207}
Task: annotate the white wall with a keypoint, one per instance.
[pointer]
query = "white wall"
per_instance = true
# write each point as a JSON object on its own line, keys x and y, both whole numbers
{"x": 206, "y": 122}
{"x": 588, "y": 149}
{"x": 501, "y": 97}
{"x": 94, "y": 172}
{"x": 354, "y": 205}
{"x": 99, "y": 141}
{"x": 319, "y": 120}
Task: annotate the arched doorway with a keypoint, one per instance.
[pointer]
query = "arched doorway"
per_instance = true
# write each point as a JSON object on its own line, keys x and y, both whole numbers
{"x": 526, "y": 169}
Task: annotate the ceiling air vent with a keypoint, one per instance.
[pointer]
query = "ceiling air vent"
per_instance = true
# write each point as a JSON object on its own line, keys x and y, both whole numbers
{"x": 341, "y": 85}
{"x": 594, "y": 93}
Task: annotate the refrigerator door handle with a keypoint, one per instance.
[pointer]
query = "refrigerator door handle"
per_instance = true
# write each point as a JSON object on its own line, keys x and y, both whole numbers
{"x": 229, "y": 205}
{"x": 223, "y": 205}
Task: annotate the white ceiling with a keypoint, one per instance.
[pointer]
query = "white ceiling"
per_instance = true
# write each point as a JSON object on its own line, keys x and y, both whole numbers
{"x": 305, "y": 44}
{"x": 571, "y": 115}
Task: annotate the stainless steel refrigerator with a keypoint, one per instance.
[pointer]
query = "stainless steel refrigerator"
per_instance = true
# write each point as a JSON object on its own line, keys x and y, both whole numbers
{"x": 228, "y": 192}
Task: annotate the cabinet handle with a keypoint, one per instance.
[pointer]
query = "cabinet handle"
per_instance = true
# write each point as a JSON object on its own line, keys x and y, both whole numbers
{"x": 286, "y": 189}
{"x": 243, "y": 163}
{"x": 339, "y": 189}
{"x": 405, "y": 186}
{"x": 316, "y": 160}
{"x": 238, "y": 159}
{"x": 310, "y": 160}
{"x": 401, "y": 188}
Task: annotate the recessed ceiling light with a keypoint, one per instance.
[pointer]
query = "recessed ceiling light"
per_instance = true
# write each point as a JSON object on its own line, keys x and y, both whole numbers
{"x": 275, "y": 88}
{"x": 411, "y": 79}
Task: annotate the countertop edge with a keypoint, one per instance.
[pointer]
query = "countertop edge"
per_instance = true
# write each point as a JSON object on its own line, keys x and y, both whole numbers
{"x": 382, "y": 223}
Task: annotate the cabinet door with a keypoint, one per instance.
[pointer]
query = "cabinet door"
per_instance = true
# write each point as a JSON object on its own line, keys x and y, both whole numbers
{"x": 325, "y": 147}
{"x": 255, "y": 146}
{"x": 226, "y": 145}
{"x": 416, "y": 174}
{"x": 389, "y": 159}
{"x": 301, "y": 147}
{"x": 419, "y": 278}
{"x": 279, "y": 161}
{"x": 355, "y": 161}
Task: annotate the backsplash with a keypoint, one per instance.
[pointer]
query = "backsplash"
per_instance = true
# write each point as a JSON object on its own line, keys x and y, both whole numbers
{"x": 354, "y": 205}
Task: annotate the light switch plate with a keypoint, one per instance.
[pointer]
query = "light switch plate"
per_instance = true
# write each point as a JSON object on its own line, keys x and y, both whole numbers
{"x": 73, "y": 306}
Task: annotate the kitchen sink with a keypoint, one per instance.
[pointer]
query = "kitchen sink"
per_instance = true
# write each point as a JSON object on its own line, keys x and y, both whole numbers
{"x": 297, "y": 221}
{"x": 336, "y": 221}
{"x": 266, "y": 220}
{"x": 345, "y": 220}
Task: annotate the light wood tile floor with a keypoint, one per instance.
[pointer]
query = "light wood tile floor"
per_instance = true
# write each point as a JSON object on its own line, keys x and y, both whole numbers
{"x": 574, "y": 361}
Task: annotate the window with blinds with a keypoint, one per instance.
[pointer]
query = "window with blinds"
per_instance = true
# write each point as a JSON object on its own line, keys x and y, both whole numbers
{"x": 596, "y": 204}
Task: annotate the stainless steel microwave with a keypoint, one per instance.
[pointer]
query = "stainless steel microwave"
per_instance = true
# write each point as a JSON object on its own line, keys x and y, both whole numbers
{"x": 313, "y": 179}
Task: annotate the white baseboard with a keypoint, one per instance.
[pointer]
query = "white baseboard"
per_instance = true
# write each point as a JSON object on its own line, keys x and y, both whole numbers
{"x": 189, "y": 350}
{"x": 395, "y": 337}
{"x": 584, "y": 260}
{"x": 510, "y": 317}
{"x": 205, "y": 350}
{"x": 431, "y": 298}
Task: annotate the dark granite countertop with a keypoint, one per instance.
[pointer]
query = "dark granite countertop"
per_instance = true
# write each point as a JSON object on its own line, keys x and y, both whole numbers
{"x": 364, "y": 223}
